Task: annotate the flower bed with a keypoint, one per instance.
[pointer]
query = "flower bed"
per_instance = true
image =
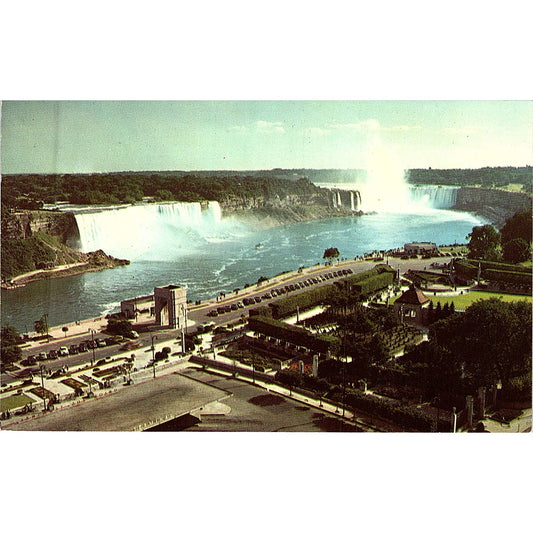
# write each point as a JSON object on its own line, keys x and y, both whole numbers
{"x": 42, "y": 393}
{"x": 73, "y": 383}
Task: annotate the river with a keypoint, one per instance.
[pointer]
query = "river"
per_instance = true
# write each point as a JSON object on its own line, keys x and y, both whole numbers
{"x": 223, "y": 256}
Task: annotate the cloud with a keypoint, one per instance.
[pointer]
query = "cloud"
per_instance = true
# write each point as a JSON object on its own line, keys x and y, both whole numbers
{"x": 316, "y": 132}
{"x": 270, "y": 127}
{"x": 372, "y": 126}
{"x": 241, "y": 129}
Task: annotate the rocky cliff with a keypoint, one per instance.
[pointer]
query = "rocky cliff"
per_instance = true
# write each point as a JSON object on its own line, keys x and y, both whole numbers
{"x": 37, "y": 245}
{"x": 23, "y": 224}
{"x": 495, "y": 204}
{"x": 274, "y": 210}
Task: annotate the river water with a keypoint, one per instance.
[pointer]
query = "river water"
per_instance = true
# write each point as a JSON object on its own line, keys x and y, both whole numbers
{"x": 224, "y": 255}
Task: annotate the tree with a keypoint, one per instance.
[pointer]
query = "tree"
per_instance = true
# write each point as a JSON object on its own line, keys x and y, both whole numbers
{"x": 484, "y": 243}
{"x": 517, "y": 227}
{"x": 331, "y": 253}
{"x": 516, "y": 250}
{"x": 119, "y": 327}
{"x": 10, "y": 339}
{"x": 64, "y": 329}
{"x": 41, "y": 325}
{"x": 491, "y": 340}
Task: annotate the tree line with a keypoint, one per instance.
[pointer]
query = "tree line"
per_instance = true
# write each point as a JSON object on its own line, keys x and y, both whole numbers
{"x": 28, "y": 191}
{"x": 484, "y": 177}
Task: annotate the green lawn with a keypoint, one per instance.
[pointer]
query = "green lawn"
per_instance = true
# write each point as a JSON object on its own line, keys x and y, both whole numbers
{"x": 14, "y": 402}
{"x": 462, "y": 301}
{"x": 460, "y": 248}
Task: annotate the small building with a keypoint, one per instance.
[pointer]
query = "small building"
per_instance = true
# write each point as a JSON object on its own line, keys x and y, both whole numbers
{"x": 419, "y": 247}
{"x": 409, "y": 307}
{"x": 143, "y": 304}
{"x": 170, "y": 306}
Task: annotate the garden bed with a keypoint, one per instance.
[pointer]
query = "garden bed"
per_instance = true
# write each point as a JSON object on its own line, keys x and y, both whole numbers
{"x": 43, "y": 393}
{"x": 73, "y": 383}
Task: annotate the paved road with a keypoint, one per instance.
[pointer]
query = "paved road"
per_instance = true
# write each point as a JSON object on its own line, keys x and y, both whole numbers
{"x": 250, "y": 408}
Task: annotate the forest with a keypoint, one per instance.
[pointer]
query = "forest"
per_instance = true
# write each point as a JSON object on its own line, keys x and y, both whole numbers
{"x": 28, "y": 191}
{"x": 488, "y": 177}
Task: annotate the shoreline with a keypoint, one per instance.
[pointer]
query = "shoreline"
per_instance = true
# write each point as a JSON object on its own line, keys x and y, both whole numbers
{"x": 359, "y": 264}
{"x": 61, "y": 271}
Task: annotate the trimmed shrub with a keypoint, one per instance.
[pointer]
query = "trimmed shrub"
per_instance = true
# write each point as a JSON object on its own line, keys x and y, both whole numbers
{"x": 294, "y": 334}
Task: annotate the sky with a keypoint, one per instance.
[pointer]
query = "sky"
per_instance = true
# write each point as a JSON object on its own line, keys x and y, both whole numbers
{"x": 100, "y": 136}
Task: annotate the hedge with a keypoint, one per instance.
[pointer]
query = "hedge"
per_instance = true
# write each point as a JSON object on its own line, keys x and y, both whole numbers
{"x": 504, "y": 272}
{"x": 515, "y": 278}
{"x": 305, "y": 300}
{"x": 294, "y": 334}
{"x": 376, "y": 279}
{"x": 403, "y": 415}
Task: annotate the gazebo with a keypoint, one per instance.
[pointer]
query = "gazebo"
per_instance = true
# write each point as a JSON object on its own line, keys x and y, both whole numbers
{"x": 409, "y": 306}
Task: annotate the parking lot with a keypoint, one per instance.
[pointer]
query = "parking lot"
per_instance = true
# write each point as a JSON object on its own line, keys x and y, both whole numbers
{"x": 280, "y": 291}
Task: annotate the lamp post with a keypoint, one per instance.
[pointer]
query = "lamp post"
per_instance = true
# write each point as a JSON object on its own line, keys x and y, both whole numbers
{"x": 92, "y": 332}
{"x": 153, "y": 353}
{"x": 253, "y": 368}
{"x": 41, "y": 368}
{"x": 437, "y": 401}
{"x": 454, "y": 423}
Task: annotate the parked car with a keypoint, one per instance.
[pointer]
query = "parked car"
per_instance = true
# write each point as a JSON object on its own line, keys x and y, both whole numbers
{"x": 234, "y": 307}
{"x": 213, "y": 312}
{"x": 52, "y": 354}
{"x": 73, "y": 349}
{"x": 257, "y": 299}
{"x": 134, "y": 335}
{"x": 100, "y": 343}
{"x": 131, "y": 345}
{"x": 63, "y": 351}
{"x": 41, "y": 356}
{"x": 82, "y": 347}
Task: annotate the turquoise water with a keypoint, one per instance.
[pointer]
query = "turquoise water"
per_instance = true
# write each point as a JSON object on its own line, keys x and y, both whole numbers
{"x": 227, "y": 261}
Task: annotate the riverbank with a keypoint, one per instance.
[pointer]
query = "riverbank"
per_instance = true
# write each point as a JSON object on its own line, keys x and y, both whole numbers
{"x": 95, "y": 261}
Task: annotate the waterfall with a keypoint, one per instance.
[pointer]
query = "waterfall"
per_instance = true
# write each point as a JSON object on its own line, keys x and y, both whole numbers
{"x": 434, "y": 196}
{"x": 334, "y": 199}
{"x": 339, "y": 201}
{"x": 161, "y": 230}
{"x": 352, "y": 201}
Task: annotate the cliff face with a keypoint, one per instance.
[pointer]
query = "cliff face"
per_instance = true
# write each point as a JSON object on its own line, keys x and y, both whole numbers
{"x": 274, "y": 210}
{"x": 39, "y": 243}
{"x": 23, "y": 224}
{"x": 494, "y": 204}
